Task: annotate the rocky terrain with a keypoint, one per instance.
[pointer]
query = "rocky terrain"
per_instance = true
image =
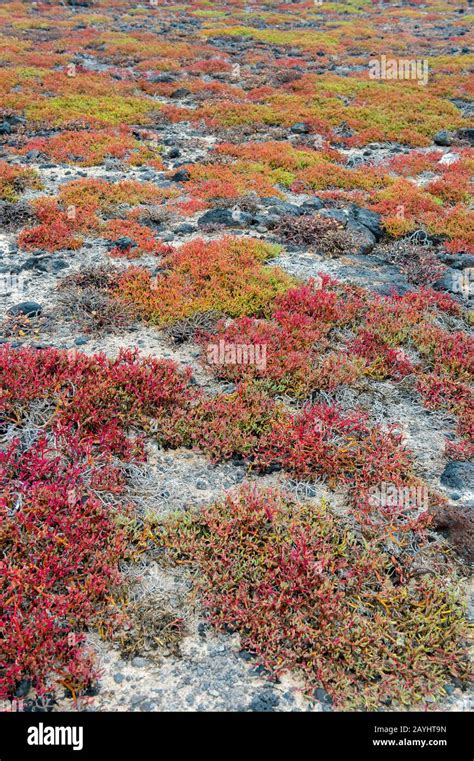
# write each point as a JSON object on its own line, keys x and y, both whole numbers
{"x": 175, "y": 175}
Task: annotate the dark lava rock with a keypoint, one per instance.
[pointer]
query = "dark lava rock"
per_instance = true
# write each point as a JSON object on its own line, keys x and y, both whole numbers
{"x": 10, "y": 122}
{"x": 388, "y": 289}
{"x": 285, "y": 209}
{"x": 202, "y": 629}
{"x": 277, "y": 206}
{"x": 443, "y": 137}
{"x": 185, "y": 229}
{"x": 161, "y": 78}
{"x": 313, "y": 204}
{"x": 217, "y": 217}
{"x": 40, "y": 264}
{"x": 300, "y": 129}
{"x": 448, "y": 282}
{"x": 467, "y": 134}
{"x": 367, "y": 218}
{"x": 182, "y": 175}
{"x": 457, "y": 523}
{"x": 147, "y": 705}
{"x": 15, "y": 119}
{"x": 264, "y": 701}
{"x": 123, "y": 243}
{"x": 458, "y": 261}
{"x": 224, "y": 217}
{"x": 14, "y": 215}
{"x": 338, "y": 214}
{"x": 458, "y": 475}
{"x": 23, "y": 688}
{"x": 58, "y": 264}
{"x": 27, "y": 308}
{"x": 243, "y": 218}
{"x": 10, "y": 270}
{"x": 267, "y": 220}
{"x": 32, "y": 155}
{"x": 464, "y": 261}
{"x": 343, "y": 130}
{"x": 139, "y": 662}
{"x": 181, "y": 92}
{"x": 173, "y": 153}
{"x": 322, "y": 696}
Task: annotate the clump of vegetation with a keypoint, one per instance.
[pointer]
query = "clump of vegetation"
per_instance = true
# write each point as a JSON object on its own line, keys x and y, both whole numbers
{"x": 190, "y": 327}
{"x": 130, "y": 239}
{"x": 152, "y": 627}
{"x": 418, "y": 262}
{"x": 60, "y": 537}
{"x": 227, "y": 276}
{"x": 92, "y": 147}
{"x": 220, "y": 181}
{"x": 299, "y": 348}
{"x": 323, "y": 334}
{"x": 66, "y": 423}
{"x": 54, "y": 235}
{"x": 87, "y": 299}
{"x": 106, "y": 197}
{"x": 90, "y": 110}
{"x": 318, "y": 232}
{"x": 86, "y": 207}
{"x": 14, "y": 180}
{"x": 306, "y": 594}
{"x": 230, "y": 426}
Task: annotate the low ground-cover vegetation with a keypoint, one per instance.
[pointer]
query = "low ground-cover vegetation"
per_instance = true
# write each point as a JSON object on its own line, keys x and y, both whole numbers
{"x": 306, "y": 594}
{"x": 72, "y": 420}
{"x": 295, "y": 181}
